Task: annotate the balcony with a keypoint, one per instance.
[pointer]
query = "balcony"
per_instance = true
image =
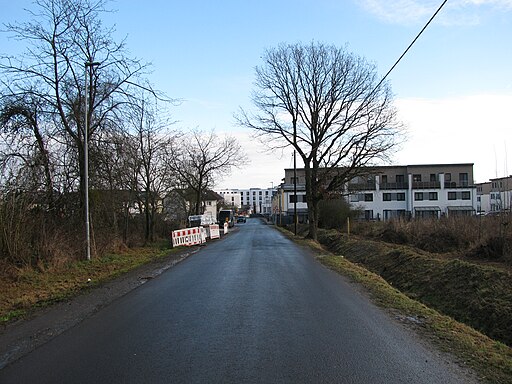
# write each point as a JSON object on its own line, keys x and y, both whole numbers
{"x": 399, "y": 185}
{"x": 426, "y": 185}
{"x": 453, "y": 184}
{"x": 370, "y": 186}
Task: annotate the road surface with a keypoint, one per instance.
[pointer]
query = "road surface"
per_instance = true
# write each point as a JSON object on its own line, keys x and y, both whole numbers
{"x": 250, "y": 308}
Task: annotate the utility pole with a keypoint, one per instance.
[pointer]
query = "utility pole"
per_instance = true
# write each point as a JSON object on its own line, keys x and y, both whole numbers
{"x": 295, "y": 179}
{"x": 88, "y": 73}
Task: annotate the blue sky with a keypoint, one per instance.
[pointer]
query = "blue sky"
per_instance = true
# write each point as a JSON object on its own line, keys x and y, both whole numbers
{"x": 453, "y": 89}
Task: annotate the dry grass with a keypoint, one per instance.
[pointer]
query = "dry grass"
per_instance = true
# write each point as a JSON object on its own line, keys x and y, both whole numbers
{"x": 488, "y": 237}
{"x": 22, "y": 289}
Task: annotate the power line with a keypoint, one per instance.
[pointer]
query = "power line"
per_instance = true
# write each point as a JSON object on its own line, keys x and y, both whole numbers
{"x": 410, "y": 45}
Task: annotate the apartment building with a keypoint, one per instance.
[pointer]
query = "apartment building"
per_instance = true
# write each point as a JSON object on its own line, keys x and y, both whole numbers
{"x": 495, "y": 196}
{"x": 483, "y": 198}
{"x": 252, "y": 200}
{"x": 432, "y": 190}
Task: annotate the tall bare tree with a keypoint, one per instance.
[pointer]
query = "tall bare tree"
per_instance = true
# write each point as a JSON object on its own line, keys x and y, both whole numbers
{"x": 43, "y": 98}
{"x": 323, "y": 101}
{"x": 62, "y": 36}
{"x": 202, "y": 158}
{"x": 154, "y": 143}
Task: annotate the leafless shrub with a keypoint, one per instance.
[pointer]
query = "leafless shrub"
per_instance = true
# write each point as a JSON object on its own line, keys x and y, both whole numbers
{"x": 489, "y": 237}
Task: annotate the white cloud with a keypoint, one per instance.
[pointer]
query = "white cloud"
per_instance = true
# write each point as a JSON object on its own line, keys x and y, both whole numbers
{"x": 469, "y": 129}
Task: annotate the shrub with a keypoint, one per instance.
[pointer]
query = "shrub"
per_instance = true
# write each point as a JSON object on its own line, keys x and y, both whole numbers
{"x": 333, "y": 214}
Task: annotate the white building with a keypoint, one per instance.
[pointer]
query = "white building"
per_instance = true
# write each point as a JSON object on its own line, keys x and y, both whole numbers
{"x": 252, "y": 200}
{"x": 495, "y": 196}
{"x": 483, "y": 198}
{"x": 432, "y": 190}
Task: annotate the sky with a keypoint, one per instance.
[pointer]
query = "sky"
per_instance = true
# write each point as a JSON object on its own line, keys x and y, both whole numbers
{"x": 453, "y": 89}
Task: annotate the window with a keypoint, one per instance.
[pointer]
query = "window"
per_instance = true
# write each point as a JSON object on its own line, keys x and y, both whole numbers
{"x": 433, "y": 177}
{"x": 432, "y": 195}
{"x": 447, "y": 177}
{"x": 452, "y": 195}
{"x": 384, "y": 179}
{"x": 463, "y": 179}
{"x": 260, "y": 193}
{"x": 354, "y": 198}
{"x": 368, "y": 197}
{"x": 400, "y": 196}
{"x": 386, "y": 196}
{"x": 466, "y": 195}
{"x": 418, "y": 196}
{"x": 300, "y": 198}
{"x": 416, "y": 178}
{"x": 400, "y": 178}
{"x": 232, "y": 199}
{"x": 266, "y": 193}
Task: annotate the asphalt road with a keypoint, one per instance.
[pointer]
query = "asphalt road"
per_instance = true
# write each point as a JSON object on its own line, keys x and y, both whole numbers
{"x": 250, "y": 308}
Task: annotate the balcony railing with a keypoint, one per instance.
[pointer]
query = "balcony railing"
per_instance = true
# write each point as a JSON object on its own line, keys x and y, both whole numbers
{"x": 453, "y": 184}
{"x": 370, "y": 186}
{"x": 426, "y": 185}
{"x": 399, "y": 185}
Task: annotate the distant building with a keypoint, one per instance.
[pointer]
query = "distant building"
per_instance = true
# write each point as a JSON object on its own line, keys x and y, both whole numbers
{"x": 501, "y": 194}
{"x": 483, "y": 198}
{"x": 433, "y": 190}
{"x": 252, "y": 200}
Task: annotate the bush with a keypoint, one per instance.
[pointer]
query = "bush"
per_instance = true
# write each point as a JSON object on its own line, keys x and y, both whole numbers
{"x": 333, "y": 214}
{"x": 489, "y": 236}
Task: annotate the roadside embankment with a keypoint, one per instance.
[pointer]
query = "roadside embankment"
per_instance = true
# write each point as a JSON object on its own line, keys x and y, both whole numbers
{"x": 476, "y": 294}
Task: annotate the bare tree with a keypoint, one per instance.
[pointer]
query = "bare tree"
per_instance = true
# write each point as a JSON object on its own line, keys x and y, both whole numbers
{"x": 323, "y": 101}
{"x": 62, "y": 36}
{"x": 154, "y": 143}
{"x": 202, "y": 158}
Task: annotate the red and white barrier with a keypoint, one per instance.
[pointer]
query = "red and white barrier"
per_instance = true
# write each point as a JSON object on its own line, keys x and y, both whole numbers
{"x": 204, "y": 234}
{"x": 187, "y": 236}
{"x": 214, "y": 231}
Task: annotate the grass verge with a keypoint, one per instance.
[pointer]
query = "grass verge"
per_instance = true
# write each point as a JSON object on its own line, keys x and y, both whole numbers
{"x": 23, "y": 290}
{"x": 490, "y": 359}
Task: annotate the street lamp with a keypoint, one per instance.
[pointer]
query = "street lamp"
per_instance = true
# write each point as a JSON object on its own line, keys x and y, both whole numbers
{"x": 88, "y": 66}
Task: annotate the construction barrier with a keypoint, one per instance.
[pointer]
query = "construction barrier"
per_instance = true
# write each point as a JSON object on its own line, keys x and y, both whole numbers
{"x": 188, "y": 236}
{"x": 204, "y": 234}
{"x": 214, "y": 231}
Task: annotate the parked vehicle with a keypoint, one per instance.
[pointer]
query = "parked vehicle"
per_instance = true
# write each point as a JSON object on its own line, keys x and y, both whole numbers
{"x": 240, "y": 219}
{"x": 227, "y": 216}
